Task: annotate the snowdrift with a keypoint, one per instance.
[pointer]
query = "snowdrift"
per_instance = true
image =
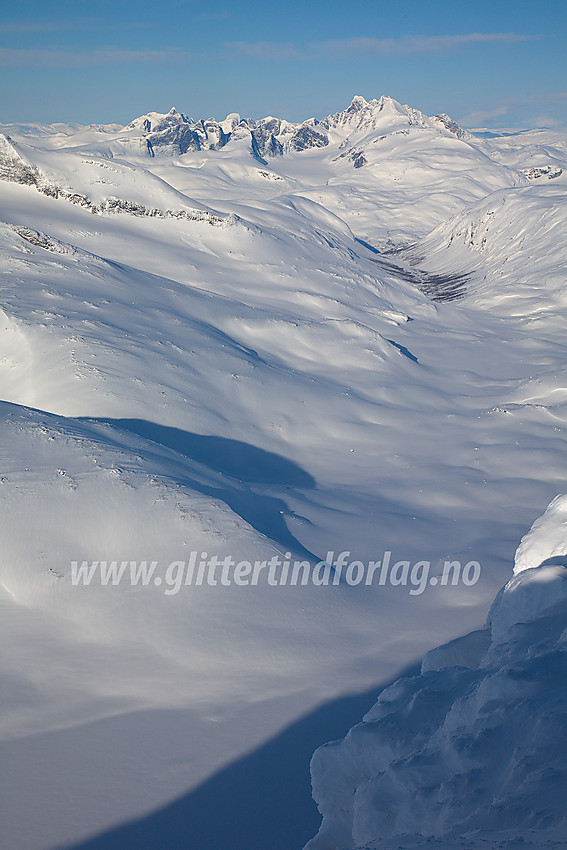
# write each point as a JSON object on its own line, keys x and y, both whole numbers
{"x": 472, "y": 751}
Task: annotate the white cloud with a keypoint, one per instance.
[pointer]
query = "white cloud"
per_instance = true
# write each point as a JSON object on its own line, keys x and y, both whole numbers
{"x": 33, "y": 27}
{"x": 380, "y": 46}
{"x": 481, "y": 117}
{"x": 265, "y": 49}
{"x": 530, "y": 110}
{"x": 417, "y": 43}
{"x": 74, "y": 59}
{"x": 64, "y": 26}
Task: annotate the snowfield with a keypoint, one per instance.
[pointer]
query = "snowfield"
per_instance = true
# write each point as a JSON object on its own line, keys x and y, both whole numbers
{"x": 259, "y": 339}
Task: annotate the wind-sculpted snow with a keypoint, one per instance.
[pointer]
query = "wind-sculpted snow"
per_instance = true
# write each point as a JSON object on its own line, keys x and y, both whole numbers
{"x": 472, "y": 752}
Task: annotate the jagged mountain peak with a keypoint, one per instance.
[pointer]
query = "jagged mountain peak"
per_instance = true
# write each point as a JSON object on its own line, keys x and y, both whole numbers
{"x": 358, "y": 102}
{"x": 152, "y": 120}
{"x": 367, "y": 115}
{"x": 385, "y": 112}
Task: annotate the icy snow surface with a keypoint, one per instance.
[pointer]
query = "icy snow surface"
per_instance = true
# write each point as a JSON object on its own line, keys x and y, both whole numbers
{"x": 355, "y": 343}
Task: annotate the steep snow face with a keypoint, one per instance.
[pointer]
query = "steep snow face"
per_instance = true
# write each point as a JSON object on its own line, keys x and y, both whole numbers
{"x": 470, "y": 753}
{"x": 152, "y": 121}
{"x": 125, "y": 494}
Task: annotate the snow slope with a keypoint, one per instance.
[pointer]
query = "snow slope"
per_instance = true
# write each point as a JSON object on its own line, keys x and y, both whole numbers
{"x": 204, "y": 352}
{"x": 497, "y": 242}
{"x": 470, "y": 754}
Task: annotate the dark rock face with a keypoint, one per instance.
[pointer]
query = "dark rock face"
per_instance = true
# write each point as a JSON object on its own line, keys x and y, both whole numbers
{"x": 256, "y": 152}
{"x": 306, "y": 137}
{"x": 176, "y": 134}
{"x": 452, "y": 126}
{"x": 265, "y": 132}
{"x": 179, "y": 138}
{"x": 267, "y": 127}
{"x": 549, "y": 171}
{"x": 13, "y": 167}
{"x": 274, "y": 147}
{"x": 355, "y": 156}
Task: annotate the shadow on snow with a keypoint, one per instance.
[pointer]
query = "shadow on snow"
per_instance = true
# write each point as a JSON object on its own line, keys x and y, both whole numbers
{"x": 261, "y": 802}
{"x": 248, "y": 479}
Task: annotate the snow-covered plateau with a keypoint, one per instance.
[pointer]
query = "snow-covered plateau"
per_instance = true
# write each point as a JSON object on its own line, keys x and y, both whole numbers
{"x": 277, "y": 342}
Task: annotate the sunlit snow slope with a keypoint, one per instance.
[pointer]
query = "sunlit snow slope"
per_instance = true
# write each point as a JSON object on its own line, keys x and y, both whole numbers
{"x": 201, "y": 350}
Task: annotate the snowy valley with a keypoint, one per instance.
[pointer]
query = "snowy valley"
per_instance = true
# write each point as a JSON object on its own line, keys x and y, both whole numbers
{"x": 261, "y": 339}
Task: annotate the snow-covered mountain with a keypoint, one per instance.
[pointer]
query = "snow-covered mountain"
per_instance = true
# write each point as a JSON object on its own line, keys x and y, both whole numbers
{"x": 174, "y": 133}
{"x": 290, "y": 341}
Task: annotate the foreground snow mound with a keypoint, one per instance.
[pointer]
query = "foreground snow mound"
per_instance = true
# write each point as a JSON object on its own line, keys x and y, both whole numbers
{"x": 470, "y": 752}
{"x": 547, "y": 537}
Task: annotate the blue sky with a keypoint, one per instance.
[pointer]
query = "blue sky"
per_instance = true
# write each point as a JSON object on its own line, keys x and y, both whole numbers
{"x": 491, "y": 64}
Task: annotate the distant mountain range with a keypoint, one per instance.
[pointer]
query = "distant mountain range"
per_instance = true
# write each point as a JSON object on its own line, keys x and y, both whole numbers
{"x": 176, "y": 133}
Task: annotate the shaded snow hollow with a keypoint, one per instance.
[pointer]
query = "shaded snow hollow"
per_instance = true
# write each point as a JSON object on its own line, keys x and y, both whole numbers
{"x": 470, "y": 753}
